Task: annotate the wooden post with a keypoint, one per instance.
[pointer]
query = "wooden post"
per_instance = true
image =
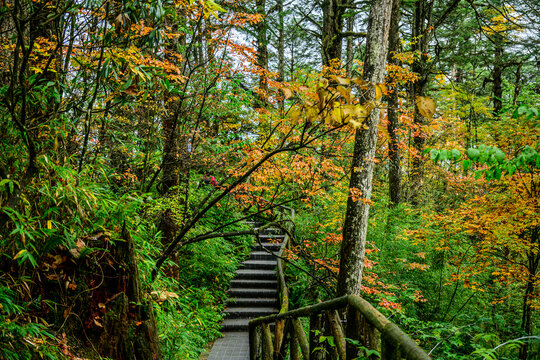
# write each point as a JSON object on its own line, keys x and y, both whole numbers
{"x": 278, "y": 335}
{"x": 353, "y": 331}
{"x": 255, "y": 343}
{"x": 268, "y": 345}
{"x": 315, "y": 331}
{"x": 389, "y": 351}
{"x": 372, "y": 337}
{"x": 301, "y": 336}
{"x": 337, "y": 332}
{"x": 295, "y": 353}
{"x": 331, "y": 351}
{"x": 281, "y": 352}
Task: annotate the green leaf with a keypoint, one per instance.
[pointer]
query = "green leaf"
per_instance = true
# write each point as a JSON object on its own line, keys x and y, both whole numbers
{"x": 478, "y": 174}
{"x": 497, "y": 173}
{"x": 499, "y": 156}
{"x": 434, "y": 154}
{"x": 466, "y": 164}
{"x": 473, "y": 153}
{"x": 456, "y": 154}
{"x": 442, "y": 155}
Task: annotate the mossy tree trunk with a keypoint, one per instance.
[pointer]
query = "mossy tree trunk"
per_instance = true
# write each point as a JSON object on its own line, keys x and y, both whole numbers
{"x": 129, "y": 326}
{"x": 356, "y": 218}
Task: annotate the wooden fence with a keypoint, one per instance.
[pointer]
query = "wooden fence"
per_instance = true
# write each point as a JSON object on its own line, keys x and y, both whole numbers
{"x": 366, "y": 328}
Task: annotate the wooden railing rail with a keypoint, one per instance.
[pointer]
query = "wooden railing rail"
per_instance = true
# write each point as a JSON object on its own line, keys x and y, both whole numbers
{"x": 282, "y": 284}
{"x": 365, "y": 326}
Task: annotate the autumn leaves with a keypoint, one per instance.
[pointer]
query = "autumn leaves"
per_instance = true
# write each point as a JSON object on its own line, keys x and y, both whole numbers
{"x": 338, "y": 101}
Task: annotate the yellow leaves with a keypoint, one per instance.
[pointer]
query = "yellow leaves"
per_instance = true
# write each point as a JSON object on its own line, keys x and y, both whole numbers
{"x": 380, "y": 90}
{"x": 340, "y": 80}
{"x": 211, "y": 7}
{"x": 287, "y": 93}
{"x": 162, "y": 296}
{"x": 345, "y": 93}
{"x": 361, "y": 83}
{"x": 335, "y": 101}
{"x": 426, "y": 106}
{"x": 121, "y": 22}
{"x": 312, "y": 113}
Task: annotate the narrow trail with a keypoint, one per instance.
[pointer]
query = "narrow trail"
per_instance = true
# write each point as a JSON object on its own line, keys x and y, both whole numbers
{"x": 253, "y": 293}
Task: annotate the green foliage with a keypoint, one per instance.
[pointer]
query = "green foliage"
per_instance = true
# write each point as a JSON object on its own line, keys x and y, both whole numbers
{"x": 20, "y": 339}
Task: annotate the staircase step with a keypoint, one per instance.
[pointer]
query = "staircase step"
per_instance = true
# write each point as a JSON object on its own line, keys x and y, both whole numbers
{"x": 253, "y": 284}
{"x": 251, "y": 293}
{"x": 250, "y": 274}
{"x": 253, "y": 302}
{"x": 261, "y": 255}
{"x": 248, "y": 312}
{"x": 259, "y": 264}
{"x": 272, "y": 231}
{"x": 234, "y": 325}
{"x": 270, "y": 237}
{"x": 267, "y": 246}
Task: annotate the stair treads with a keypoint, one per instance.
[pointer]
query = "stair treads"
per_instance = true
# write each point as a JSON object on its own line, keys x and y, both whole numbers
{"x": 257, "y": 293}
{"x": 253, "y": 302}
{"x": 259, "y": 264}
{"x": 249, "y": 312}
{"x": 254, "y": 284}
{"x": 255, "y": 274}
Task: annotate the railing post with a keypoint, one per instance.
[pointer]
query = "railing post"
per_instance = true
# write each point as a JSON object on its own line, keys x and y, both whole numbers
{"x": 331, "y": 351}
{"x": 295, "y": 353}
{"x": 372, "y": 337}
{"x": 301, "y": 336}
{"x": 281, "y": 352}
{"x": 389, "y": 351}
{"x": 337, "y": 332}
{"x": 255, "y": 342}
{"x": 268, "y": 345}
{"x": 315, "y": 331}
{"x": 353, "y": 331}
{"x": 252, "y": 342}
{"x": 279, "y": 334}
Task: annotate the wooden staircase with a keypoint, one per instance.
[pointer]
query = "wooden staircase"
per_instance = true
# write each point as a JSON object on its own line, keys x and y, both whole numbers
{"x": 254, "y": 291}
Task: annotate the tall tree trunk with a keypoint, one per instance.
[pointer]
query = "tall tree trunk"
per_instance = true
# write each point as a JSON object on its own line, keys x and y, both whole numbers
{"x": 497, "y": 78}
{"x": 517, "y": 84}
{"x": 526, "y": 318}
{"x": 332, "y": 28}
{"x": 262, "y": 45}
{"x": 394, "y": 173}
{"x": 422, "y": 19}
{"x": 356, "y": 218}
{"x": 281, "y": 46}
{"x": 169, "y": 170}
{"x": 350, "y": 45}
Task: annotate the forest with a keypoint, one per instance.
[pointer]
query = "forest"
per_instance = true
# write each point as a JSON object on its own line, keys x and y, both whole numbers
{"x": 142, "y": 139}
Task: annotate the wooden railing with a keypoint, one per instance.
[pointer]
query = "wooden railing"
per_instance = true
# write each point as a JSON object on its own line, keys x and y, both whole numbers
{"x": 366, "y": 329}
{"x": 366, "y": 333}
{"x": 282, "y": 284}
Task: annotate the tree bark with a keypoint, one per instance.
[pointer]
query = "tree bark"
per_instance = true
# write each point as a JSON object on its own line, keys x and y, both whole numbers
{"x": 262, "y": 45}
{"x": 332, "y": 27}
{"x": 422, "y": 19}
{"x": 356, "y": 218}
{"x": 497, "y": 77}
{"x": 394, "y": 173}
{"x": 517, "y": 84}
{"x": 350, "y": 46}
